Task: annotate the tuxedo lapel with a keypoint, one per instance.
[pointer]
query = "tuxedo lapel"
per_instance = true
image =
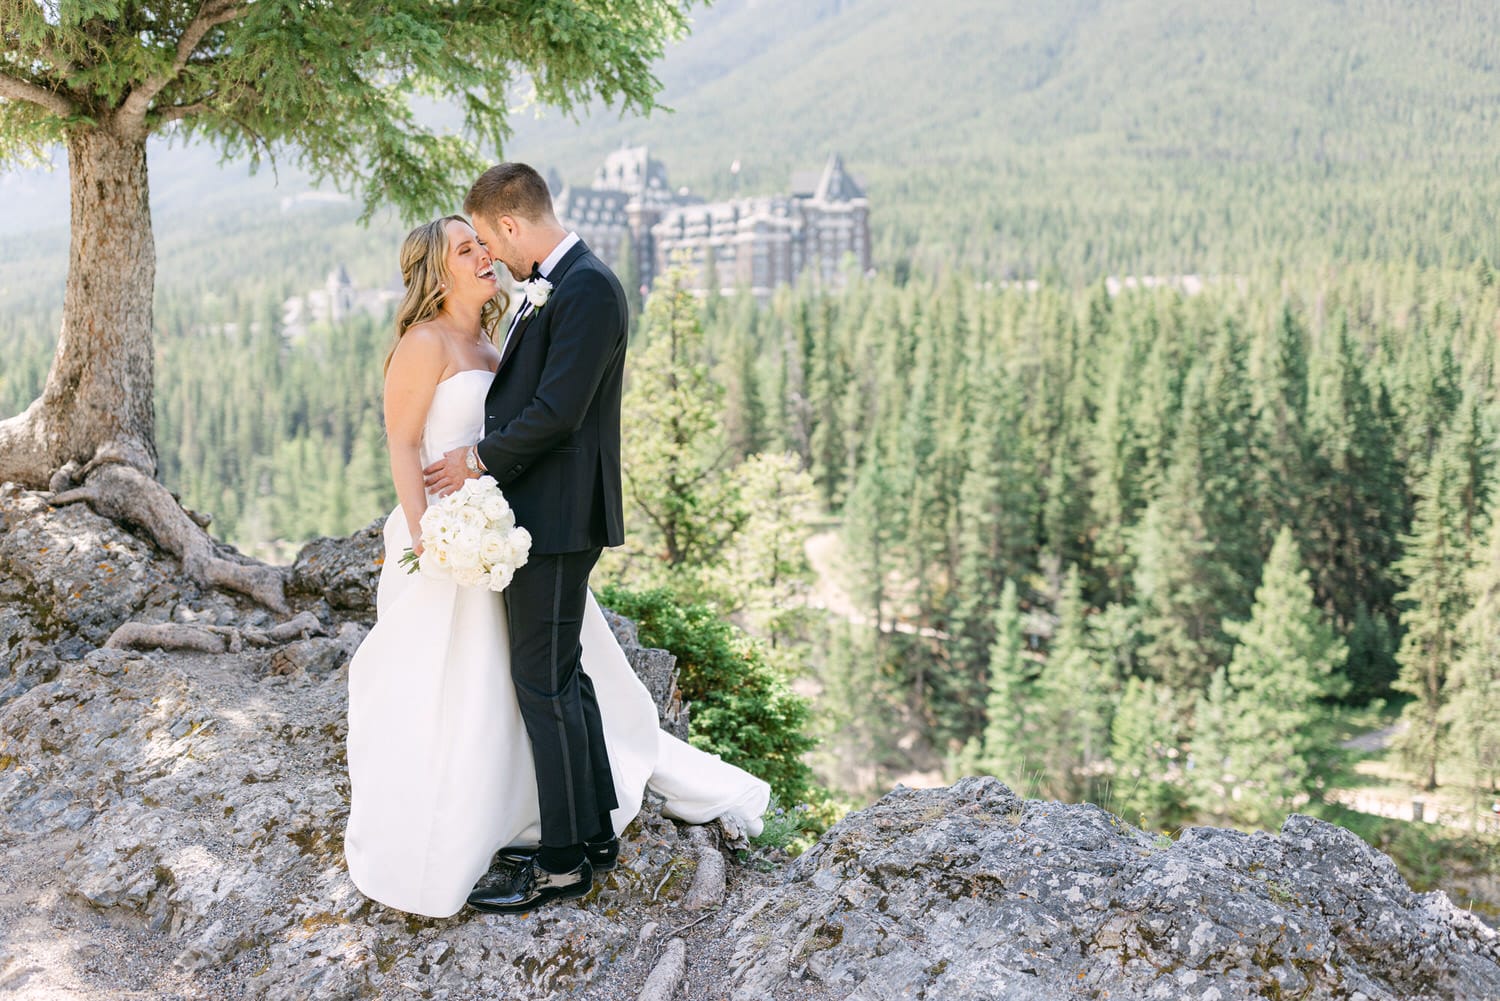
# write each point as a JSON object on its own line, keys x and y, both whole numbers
{"x": 524, "y": 317}
{"x": 514, "y": 337}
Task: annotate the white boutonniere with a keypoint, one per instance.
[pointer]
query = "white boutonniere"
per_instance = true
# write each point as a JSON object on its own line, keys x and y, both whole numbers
{"x": 537, "y": 291}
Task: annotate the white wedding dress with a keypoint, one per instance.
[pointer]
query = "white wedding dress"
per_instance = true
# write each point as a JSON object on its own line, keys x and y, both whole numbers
{"x": 440, "y": 768}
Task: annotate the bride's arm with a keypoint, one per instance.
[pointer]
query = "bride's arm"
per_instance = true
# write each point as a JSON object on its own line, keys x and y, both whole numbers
{"x": 416, "y": 367}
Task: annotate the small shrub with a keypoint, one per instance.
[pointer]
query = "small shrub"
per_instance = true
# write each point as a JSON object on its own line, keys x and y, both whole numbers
{"x": 742, "y": 710}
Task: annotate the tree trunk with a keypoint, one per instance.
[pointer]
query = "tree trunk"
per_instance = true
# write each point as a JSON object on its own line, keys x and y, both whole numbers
{"x": 91, "y": 435}
{"x": 98, "y": 396}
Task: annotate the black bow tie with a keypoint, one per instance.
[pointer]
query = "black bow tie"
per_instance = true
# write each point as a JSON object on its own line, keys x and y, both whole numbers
{"x": 536, "y": 272}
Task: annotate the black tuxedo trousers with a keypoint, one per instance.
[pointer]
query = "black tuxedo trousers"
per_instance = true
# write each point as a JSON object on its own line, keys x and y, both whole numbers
{"x": 546, "y": 600}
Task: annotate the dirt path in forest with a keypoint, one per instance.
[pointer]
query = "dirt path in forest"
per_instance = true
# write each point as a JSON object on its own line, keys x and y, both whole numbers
{"x": 907, "y": 758}
{"x": 829, "y": 595}
{"x": 1387, "y": 794}
{"x": 1375, "y": 740}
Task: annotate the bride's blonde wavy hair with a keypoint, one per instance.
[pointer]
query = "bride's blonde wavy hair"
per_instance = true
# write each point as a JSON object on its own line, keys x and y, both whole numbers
{"x": 424, "y": 273}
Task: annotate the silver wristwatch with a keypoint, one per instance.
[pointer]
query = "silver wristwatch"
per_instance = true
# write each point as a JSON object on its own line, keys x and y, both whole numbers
{"x": 471, "y": 461}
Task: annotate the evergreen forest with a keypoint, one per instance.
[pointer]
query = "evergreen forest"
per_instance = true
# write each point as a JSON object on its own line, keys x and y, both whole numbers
{"x": 1163, "y": 544}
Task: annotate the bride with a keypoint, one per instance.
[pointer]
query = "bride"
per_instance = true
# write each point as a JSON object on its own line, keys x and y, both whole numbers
{"x": 440, "y": 766}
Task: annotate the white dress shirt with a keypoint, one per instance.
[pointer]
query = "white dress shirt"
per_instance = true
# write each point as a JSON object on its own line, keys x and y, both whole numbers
{"x": 563, "y": 246}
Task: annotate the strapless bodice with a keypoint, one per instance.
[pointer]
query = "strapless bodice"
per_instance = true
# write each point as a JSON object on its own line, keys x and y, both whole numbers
{"x": 456, "y": 416}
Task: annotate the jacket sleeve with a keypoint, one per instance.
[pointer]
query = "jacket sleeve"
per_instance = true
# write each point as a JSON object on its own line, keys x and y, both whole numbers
{"x": 587, "y": 335}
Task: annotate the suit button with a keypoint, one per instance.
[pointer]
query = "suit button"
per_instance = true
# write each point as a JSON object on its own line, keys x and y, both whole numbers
{"x": 514, "y": 470}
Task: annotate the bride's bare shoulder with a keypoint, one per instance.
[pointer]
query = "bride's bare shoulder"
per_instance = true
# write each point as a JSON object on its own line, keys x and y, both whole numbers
{"x": 420, "y": 352}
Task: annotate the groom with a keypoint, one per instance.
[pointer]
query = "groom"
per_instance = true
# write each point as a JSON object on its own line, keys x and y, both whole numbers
{"x": 552, "y": 443}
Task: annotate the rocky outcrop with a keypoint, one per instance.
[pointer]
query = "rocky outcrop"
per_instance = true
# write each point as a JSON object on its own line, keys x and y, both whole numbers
{"x": 970, "y": 892}
{"x": 171, "y": 829}
{"x": 69, "y": 578}
{"x": 172, "y": 819}
{"x": 342, "y": 573}
{"x": 199, "y": 804}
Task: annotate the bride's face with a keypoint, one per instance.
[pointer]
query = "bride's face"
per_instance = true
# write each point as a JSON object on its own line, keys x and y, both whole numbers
{"x": 471, "y": 269}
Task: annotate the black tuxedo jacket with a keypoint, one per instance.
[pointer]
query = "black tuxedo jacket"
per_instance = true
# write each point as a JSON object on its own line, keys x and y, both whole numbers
{"x": 552, "y": 415}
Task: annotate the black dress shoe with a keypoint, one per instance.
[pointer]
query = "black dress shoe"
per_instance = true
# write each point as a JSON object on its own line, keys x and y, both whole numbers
{"x": 602, "y": 855}
{"x": 526, "y": 886}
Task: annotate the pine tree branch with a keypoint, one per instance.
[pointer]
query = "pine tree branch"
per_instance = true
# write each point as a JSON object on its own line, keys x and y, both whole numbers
{"x": 212, "y": 14}
{"x": 175, "y": 112}
{"x": 45, "y": 49}
{"x": 17, "y": 89}
{"x": 221, "y": 100}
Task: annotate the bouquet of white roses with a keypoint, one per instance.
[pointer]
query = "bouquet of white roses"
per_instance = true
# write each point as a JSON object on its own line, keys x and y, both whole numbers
{"x": 471, "y": 537}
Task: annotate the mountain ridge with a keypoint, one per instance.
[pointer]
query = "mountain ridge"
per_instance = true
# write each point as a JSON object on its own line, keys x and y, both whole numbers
{"x": 1052, "y": 124}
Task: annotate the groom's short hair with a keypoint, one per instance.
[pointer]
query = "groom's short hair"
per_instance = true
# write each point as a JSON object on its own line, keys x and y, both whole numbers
{"x": 512, "y": 189}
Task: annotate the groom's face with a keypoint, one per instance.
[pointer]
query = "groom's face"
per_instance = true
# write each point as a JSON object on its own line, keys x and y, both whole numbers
{"x": 499, "y": 236}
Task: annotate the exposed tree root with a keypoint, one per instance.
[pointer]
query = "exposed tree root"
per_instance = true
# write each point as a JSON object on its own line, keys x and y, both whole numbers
{"x": 210, "y": 639}
{"x": 24, "y": 457}
{"x": 171, "y": 636}
{"x": 117, "y": 489}
{"x": 665, "y": 977}
{"x": 709, "y": 878}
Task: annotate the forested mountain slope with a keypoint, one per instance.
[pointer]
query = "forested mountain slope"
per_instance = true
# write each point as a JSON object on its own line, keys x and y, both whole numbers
{"x": 1087, "y": 136}
{"x": 1270, "y": 80}
{"x": 1097, "y": 135}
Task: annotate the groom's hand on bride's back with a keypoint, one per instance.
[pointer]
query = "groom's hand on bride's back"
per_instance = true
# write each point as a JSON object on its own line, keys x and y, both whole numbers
{"x": 448, "y": 473}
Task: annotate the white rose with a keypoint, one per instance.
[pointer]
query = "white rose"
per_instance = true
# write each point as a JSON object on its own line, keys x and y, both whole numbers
{"x": 494, "y": 508}
{"x": 465, "y": 539}
{"x": 446, "y": 521}
{"x": 465, "y": 557}
{"x": 434, "y": 564}
{"x": 495, "y": 549}
{"x": 520, "y": 546}
{"x": 471, "y": 519}
{"x": 500, "y": 578}
{"x": 469, "y": 576}
{"x": 537, "y": 290}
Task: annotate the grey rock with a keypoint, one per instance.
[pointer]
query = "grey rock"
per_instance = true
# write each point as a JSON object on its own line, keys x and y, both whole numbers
{"x": 73, "y": 573}
{"x": 321, "y": 655}
{"x": 69, "y": 578}
{"x": 16, "y": 628}
{"x": 625, "y": 631}
{"x": 657, "y": 670}
{"x": 208, "y": 806}
{"x": 343, "y": 572}
{"x": 193, "y": 803}
{"x": 29, "y": 669}
{"x": 71, "y": 648}
{"x": 969, "y": 892}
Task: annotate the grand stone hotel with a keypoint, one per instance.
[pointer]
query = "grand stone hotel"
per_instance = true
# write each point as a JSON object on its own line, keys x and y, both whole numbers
{"x": 756, "y": 243}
